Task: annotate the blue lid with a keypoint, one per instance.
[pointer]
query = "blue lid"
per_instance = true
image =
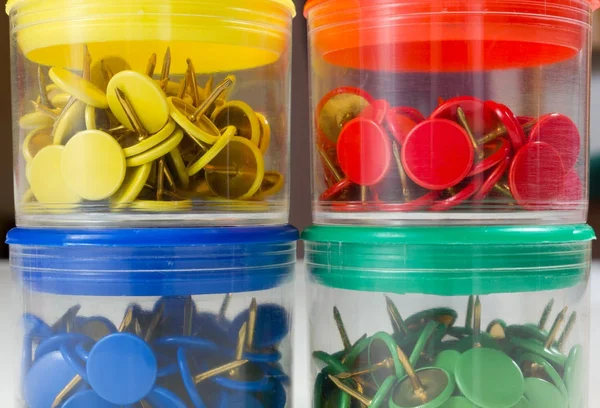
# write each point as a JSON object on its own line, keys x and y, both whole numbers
{"x": 153, "y": 262}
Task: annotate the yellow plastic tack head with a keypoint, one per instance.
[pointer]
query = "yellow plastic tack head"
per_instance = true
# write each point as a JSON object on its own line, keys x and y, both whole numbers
{"x": 272, "y": 184}
{"x": 70, "y": 121}
{"x": 265, "y": 133}
{"x": 157, "y": 151}
{"x": 240, "y": 115}
{"x": 202, "y": 129}
{"x": 81, "y": 89}
{"x": 135, "y": 179}
{"x": 177, "y": 166}
{"x": 96, "y": 118}
{"x": 93, "y": 165}
{"x": 146, "y": 98}
{"x": 35, "y": 120}
{"x": 133, "y": 146}
{"x": 161, "y": 206}
{"x": 103, "y": 70}
{"x": 35, "y": 141}
{"x": 47, "y": 181}
{"x": 212, "y": 152}
{"x": 60, "y": 99}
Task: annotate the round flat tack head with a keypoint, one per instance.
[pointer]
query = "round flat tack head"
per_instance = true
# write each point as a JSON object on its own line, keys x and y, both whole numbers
{"x": 35, "y": 141}
{"x": 145, "y": 97}
{"x": 202, "y": 129}
{"x": 377, "y": 111}
{"x": 132, "y": 144}
{"x": 447, "y": 360}
{"x": 33, "y": 326}
{"x": 382, "y": 347}
{"x": 214, "y": 150}
{"x": 541, "y": 393}
{"x": 121, "y": 368}
{"x": 489, "y": 378}
{"x": 437, "y": 154}
{"x": 572, "y": 192}
{"x": 271, "y": 327}
{"x": 48, "y": 376}
{"x": 35, "y": 120}
{"x": 459, "y": 402}
{"x": 536, "y": 175}
{"x": 60, "y": 100}
{"x": 161, "y": 206}
{"x": 241, "y": 116}
{"x": 508, "y": 120}
{"x": 88, "y": 399}
{"x": 238, "y": 170}
{"x": 560, "y": 132}
{"x": 400, "y": 123}
{"x": 70, "y": 121}
{"x": 47, "y": 181}
{"x": 272, "y": 184}
{"x": 157, "y": 151}
{"x": 135, "y": 180}
{"x": 495, "y": 151}
{"x": 335, "y": 190}
{"x": 265, "y": 133}
{"x": 494, "y": 177}
{"x": 188, "y": 380}
{"x": 163, "y": 398}
{"x": 480, "y": 117}
{"x": 438, "y": 387}
{"x": 81, "y": 89}
{"x": 574, "y": 374}
{"x": 424, "y": 201}
{"x": 364, "y": 152}
{"x": 463, "y": 195}
{"x": 339, "y": 107}
{"x": 93, "y": 165}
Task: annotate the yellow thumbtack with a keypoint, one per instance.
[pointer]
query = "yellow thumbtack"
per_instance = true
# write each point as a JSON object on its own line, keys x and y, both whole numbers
{"x": 47, "y": 181}
{"x": 240, "y": 115}
{"x": 80, "y": 88}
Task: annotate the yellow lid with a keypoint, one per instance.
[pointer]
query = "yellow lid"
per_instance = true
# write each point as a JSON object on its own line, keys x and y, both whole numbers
{"x": 218, "y": 35}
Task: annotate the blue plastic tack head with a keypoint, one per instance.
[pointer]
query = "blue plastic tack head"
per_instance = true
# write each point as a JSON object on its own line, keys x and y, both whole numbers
{"x": 163, "y": 398}
{"x": 272, "y": 325}
{"x": 48, "y": 376}
{"x": 239, "y": 399}
{"x": 209, "y": 326}
{"x": 249, "y": 378}
{"x": 188, "y": 380}
{"x": 34, "y": 327}
{"x": 55, "y": 342}
{"x": 88, "y": 399}
{"x": 276, "y": 398}
{"x": 122, "y": 368}
{"x": 270, "y": 356}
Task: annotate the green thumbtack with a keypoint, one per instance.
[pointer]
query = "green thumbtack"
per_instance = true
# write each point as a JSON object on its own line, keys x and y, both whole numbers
{"x": 382, "y": 347}
{"x": 550, "y": 371}
{"x": 574, "y": 374}
{"x": 377, "y": 401}
{"x": 459, "y": 402}
{"x": 447, "y": 360}
{"x": 541, "y": 393}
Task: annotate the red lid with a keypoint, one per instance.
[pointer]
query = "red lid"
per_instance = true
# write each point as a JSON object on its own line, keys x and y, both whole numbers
{"x": 447, "y": 35}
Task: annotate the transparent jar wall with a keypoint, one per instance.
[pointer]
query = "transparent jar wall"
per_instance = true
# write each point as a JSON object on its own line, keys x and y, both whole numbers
{"x": 362, "y": 171}
{"x": 213, "y": 174}
{"x": 366, "y": 314}
{"x": 212, "y": 344}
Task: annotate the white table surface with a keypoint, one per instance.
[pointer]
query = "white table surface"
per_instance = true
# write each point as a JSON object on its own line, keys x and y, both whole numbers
{"x": 301, "y": 344}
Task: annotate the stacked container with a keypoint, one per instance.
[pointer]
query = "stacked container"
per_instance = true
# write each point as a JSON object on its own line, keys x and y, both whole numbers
{"x": 450, "y": 261}
{"x": 152, "y": 251}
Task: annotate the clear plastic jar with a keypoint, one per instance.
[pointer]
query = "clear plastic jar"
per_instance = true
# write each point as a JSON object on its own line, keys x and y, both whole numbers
{"x": 138, "y": 113}
{"x": 450, "y": 317}
{"x": 450, "y": 111}
{"x": 147, "y": 318}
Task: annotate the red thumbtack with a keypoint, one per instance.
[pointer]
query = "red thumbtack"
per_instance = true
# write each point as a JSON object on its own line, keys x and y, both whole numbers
{"x": 561, "y": 133}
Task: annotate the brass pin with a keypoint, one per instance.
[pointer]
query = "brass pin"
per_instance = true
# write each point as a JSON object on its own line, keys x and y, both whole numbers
{"x": 41, "y": 79}
{"x": 144, "y": 404}
{"x": 546, "y": 315}
{"x": 397, "y": 321}
{"x": 137, "y": 328}
{"x": 364, "y": 194}
{"x": 131, "y": 115}
{"x": 204, "y": 106}
{"x": 107, "y": 72}
{"x": 352, "y": 392}
{"x": 239, "y": 349}
{"x": 192, "y": 82}
{"x": 87, "y": 63}
{"x": 462, "y": 118}
{"x": 251, "y": 324}
{"x": 224, "y": 306}
{"x": 127, "y": 319}
{"x": 208, "y": 86}
{"x": 182, "y": 87}
{"x": 219, "y": 370}
{"x": 160, "y": 179}
{"x": 340, "y": 325}
{"x": 66, "y": 319}
{"x": 501, "y": 131}
{"x": 336, "y": 174}
{"x": 188, "y": 314}
{"x": 401, "y": 172}
{"x": 555, "y": 328}
{"x": 469, "y": 318}
{"x": 151, "y": 66}
{"x": 477, "y": 321}
{"x": 154, "y": 323}
{"x": 51, "y": 113}
{"x": 417, "y": 385}
{"x": 503, "y": 189}
{"x": 387, "y": 363}
{"x": 166, "y": 69}
{"x": 562, "y": 341}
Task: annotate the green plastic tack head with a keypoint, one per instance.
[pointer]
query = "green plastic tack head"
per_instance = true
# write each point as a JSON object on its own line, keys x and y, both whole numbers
{"x": 383, "y": 347}
{"x": 428, "y": 388}
{"x": 489, "y": 378}
{"x": 459, "y": 402}
{"x": 442, "y": 315}
{"x": 574, "y": 374}
{"x": 447, "y": 360}
{"x": 541, "y": 393}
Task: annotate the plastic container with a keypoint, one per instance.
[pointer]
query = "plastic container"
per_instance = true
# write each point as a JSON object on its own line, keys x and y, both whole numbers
{"x": 390, "y": 144}
{"x": 171, "y": 318}
{"x": 484, "y": 317}
{"x": 137, "y": 113}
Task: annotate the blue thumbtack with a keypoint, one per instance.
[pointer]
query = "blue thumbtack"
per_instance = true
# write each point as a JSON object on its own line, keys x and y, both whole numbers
{"x": 88, "y": 399}
{"x": 271, "y": 325}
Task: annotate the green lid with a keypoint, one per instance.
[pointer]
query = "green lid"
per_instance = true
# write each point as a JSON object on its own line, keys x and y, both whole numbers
{"x": 449, "y": 260}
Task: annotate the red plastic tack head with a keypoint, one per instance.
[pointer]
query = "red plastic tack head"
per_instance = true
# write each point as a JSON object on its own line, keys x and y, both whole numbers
{"x": 364, "y": 152}
{"x": 421, "y": 202}
{"x": 495, "y": 152}
{"x": 335, "y": 190}
{"x": 376, "y": 111}
{"x": 492, "y": 179}
{"x": 480, "y": 117}
{"x": 437, "y": 154}
{"x": 457, "y": 198}
{"x": 400, "y": 122}
{"x": 536, "y": 175}
{"x": 572, "y": 192}
{"x": 509, "y": 121}
{"x": 561, "y": 133}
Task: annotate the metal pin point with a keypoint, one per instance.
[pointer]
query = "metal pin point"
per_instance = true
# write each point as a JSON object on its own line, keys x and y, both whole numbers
{"x": 546, "y": 315}
{"x": 192, "y": 82}
{"x": 251, "y": 324}
{"x": 160, "y": 179}
{"x": 567, "y": 331}
{"x": 151, "y": 66}
{"x": 156, "y": 318}
{"x": 87, "y": 63}
{"x": 555, "y": 328}
{"x": 224, "y": 306}
{"x": 353, "y": 393}
{"x": 66, "y": 319}
{"x": 131, "y": 115}
{"x": 166, "y": 68}
{"x": 203, "y": 108}
{"x": 42, "y": 88}
{"x": 465, "y": 124}
{"x": 182, "y": 87}
{"x": 397, "y": 321}
{"x": 340, "y": 325}
{"x": 477, "y": 321}
{"x": 469, "y": 318}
